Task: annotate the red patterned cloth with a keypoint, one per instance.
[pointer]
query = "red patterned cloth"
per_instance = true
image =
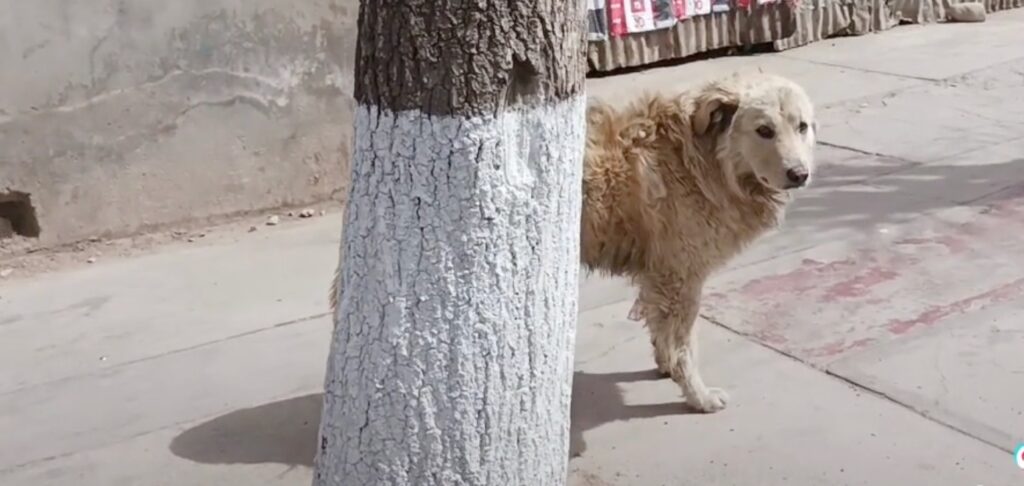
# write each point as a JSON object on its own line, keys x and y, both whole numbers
{"x": 632, "y": 16}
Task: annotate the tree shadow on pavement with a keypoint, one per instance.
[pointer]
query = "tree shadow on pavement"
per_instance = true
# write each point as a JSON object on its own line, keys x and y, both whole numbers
{"x": 597, "y": 400}
{"x": 285, "y": 432}
{"x": 856, "y": 195}
{"x": 282, "y": 432}
{"x": 856, "y": 192}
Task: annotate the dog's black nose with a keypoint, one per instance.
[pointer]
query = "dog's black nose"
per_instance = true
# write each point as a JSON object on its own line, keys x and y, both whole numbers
{"x": 796, "y": 177}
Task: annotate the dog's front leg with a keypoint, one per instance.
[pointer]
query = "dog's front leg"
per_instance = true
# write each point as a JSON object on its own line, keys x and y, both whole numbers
{"x": 670, "y": 304}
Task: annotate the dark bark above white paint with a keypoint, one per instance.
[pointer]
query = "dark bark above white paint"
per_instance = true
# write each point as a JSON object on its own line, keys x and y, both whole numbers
{"x": 446, "y": 57}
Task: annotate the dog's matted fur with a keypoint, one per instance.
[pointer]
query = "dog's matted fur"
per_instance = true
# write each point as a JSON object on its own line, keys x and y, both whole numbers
{"x": 675, "y": 186}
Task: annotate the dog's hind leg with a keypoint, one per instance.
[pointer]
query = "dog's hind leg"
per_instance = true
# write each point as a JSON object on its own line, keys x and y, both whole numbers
{"x": 637, "y": 312}
{"x": 670, "y": 303}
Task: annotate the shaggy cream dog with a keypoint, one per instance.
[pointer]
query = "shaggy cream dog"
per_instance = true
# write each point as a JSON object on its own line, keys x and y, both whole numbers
{"x": 676, "y": 186}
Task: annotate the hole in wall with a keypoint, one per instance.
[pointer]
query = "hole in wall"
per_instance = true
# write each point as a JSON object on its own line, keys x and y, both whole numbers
{"x": 17, "y": 215}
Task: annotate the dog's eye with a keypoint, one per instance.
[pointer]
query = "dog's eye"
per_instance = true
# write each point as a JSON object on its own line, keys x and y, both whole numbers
{"x": 765, "y": 131}
{"x": 802, "y": 127}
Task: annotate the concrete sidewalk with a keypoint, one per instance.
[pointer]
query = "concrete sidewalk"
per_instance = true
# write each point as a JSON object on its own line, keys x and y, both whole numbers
{"x": 875, "y": 340}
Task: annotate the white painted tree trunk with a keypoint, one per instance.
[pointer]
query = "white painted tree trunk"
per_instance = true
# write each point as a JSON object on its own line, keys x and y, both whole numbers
{"x": 452, "y": 358}
{"x": 451, "y": 362}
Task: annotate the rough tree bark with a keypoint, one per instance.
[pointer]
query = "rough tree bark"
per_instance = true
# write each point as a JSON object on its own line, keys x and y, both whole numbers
{"x": 451, "y": 362}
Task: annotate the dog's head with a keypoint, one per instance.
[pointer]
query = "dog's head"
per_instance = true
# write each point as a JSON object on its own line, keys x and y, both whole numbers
{"x": 763, "y": 125}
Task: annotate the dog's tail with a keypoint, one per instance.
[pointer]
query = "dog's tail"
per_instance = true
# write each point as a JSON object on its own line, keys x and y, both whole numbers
{"x": 609, "y": 132}
{"x": 604, "y": 127}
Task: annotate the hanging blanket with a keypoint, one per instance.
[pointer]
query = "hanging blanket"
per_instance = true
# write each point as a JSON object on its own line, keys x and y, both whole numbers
{"x": 597, "y": 19}
{"x": 624, "y": 17}
{"x": 632, "y": 16}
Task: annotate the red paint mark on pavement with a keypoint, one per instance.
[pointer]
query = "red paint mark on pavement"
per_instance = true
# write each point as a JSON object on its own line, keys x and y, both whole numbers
{"x": 934, "y": 314}
{"x": 803, "y": 308}
{"x": 835, "y": 348}
{"x": 859, "y": 285}
{"x": 842, "y": 279}
{"x": 797, "y": 281}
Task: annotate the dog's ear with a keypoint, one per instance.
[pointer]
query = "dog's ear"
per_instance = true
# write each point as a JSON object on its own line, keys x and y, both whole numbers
{"x": 714, "y": 111}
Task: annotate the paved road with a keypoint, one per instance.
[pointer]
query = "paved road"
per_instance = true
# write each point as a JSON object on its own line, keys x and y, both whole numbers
{"x": 875, "y": 341}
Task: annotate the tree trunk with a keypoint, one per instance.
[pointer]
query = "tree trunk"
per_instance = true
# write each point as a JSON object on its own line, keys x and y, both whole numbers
{"x": 451, "y": 362}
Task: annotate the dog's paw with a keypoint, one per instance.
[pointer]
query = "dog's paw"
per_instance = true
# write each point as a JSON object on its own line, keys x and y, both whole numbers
{"x": 715, "y": 400}
{"x": 661, "y": 361}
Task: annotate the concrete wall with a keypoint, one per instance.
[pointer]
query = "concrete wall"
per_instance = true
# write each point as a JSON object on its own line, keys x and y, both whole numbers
{"x": 121, "y": 115}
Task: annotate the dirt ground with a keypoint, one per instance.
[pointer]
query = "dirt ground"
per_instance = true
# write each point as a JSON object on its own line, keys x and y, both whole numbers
{"x": 20, "y": 257}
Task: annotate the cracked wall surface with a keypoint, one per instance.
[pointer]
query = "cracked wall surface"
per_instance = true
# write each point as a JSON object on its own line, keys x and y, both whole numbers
{"x": 120, "y": 116}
